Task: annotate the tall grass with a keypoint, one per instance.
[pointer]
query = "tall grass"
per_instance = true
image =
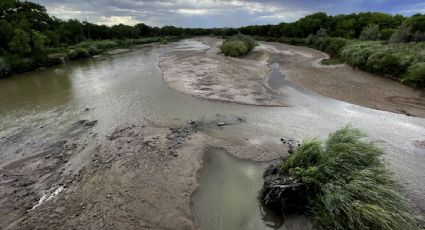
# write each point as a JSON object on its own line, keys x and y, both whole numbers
{"x": 348, "y": 186}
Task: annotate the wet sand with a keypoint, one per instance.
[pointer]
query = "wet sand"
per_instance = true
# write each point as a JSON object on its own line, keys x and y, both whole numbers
{"x": 141, "y": 177}
{"x": 211, "y": 75}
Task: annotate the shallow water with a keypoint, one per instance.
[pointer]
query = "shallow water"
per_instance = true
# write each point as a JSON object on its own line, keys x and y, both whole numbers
{"x": 227, "y": 196}
{"x": 128, "y": 87}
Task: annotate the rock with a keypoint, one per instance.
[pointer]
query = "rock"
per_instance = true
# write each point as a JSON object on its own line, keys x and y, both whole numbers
{"x": 221, "y": 123}
{"x": 241, "y": 119}
{"x": 87, "y": 109}
{"x": 190, "y": 122}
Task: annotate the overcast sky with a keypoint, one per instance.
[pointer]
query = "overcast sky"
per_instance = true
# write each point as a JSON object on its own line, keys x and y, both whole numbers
{"x": 216, "y": 13}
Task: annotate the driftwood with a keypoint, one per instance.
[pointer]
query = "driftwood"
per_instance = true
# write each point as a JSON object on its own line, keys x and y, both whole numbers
{"x": 282, "y": 193}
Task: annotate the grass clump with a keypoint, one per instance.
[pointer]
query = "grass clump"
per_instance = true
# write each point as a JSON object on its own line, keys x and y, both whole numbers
{"x": 345, "y": 185}
{"x": 238, "y": 45}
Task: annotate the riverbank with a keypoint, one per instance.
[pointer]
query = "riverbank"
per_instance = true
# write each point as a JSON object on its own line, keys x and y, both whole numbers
{"x": 210, "y": 75}
{"x": 12, "y": 64}
{"x": 141, "y": 176}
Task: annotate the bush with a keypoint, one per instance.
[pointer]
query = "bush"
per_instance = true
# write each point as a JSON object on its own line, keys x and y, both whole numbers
{"x": 416, "y": 75}
{"x": 345, "y": 184}
{"x": 78, "y": 53}
{"x": 238, "y": 45}
{"x": 234, "y": 48}
{"x": 402, "y": 34}
{"x": 370, "y": 32}
{"x": 249, "y": 41}
{"x": 387, "y": 33}
{"x": 4, "y": 67}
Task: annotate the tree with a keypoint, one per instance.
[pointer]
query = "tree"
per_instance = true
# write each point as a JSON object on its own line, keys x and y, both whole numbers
{"x": 321, "y": 33}
{"x": 370, "y": 32}
{"x": 403, "y": 34}
{"x": 20, "y": 42}
{"x": 39, "y": 40}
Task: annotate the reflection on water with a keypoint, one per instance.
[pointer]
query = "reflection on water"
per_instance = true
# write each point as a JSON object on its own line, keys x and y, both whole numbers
{"x": 227, "y": 196}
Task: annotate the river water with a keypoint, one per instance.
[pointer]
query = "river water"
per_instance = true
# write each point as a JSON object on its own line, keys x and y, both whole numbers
{"x": 128, "y": 87}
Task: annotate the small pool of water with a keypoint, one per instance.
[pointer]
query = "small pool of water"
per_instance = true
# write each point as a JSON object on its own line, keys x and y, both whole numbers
{"x": 227, "y": 196}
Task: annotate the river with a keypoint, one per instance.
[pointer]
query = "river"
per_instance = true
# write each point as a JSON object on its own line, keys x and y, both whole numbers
{"x": 128, "y": 87}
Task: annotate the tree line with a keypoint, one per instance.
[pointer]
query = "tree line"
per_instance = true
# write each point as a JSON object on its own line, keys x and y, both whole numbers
{"x": 29, "y": 34}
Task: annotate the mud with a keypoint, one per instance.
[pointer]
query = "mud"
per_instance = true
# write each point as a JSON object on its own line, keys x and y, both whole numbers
{"x": 211, "y": 75}
{"x": 302, "y": 66}
{"x": 35, "y": 174}
{"x": 208, "y": 73}
{"x": 140, "y": 177}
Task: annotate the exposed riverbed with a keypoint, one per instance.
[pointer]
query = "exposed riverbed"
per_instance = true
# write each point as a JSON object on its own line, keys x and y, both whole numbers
{"x": 39, "y": 110}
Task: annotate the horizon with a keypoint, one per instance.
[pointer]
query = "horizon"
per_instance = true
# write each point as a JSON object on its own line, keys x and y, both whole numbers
{"x": 215, "y": 13}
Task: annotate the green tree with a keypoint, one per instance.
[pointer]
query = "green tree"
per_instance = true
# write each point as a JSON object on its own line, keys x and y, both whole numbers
{"x": 39, "y": 40}
{"x": 20, "y": 42}
{"x": 370, "y": 32}
{"x": 403, "y": 34}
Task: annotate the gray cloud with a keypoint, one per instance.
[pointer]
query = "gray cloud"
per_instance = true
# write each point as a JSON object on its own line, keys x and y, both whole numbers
{"x": 184, "y": 13}
{"x": 208, "y": 13}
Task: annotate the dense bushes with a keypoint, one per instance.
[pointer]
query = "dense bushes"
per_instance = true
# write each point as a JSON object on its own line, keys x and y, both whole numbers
{"x": 416, "y": 74}
{"x": 238, "y": 45}
{"x": 397, "y": 61}
{"x": 14, "y": 63}
{"x": 344, "y": 185}
{"x": 234, "y": 48}
{"x": 400, "y": 61}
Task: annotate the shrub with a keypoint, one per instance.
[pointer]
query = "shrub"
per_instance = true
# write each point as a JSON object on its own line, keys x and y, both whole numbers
{"x": 93, "y": 50}
{"x": 234, "y": 48}
{"x": 238, "y": 45}
{"x": 402, "y": 34}
{"x": 249, "y": 41}
{"x": 345, "y": 185}
{"x": 78, "y": 53}
{"x": 4, "y": 67}
{"x": 370, "y": 32}
{"x": 416, "y": 75}
{"x": 387, "y": 33}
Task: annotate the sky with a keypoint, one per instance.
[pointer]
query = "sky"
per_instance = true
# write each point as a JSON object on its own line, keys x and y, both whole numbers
{"x": 216, "y": 13}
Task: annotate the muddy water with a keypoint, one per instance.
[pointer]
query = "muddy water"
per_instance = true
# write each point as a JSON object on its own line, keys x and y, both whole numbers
{"x": 128, "y": 87}
{"x": 227, "y": 196}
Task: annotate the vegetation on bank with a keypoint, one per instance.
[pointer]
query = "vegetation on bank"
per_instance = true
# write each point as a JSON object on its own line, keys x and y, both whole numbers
{"x": 404, "y": 62}
{"x": 30, "y": 38}
{"x": 238, "y": 45}
{"x": 12, "y": 63}
{"x": 341, "y": 184}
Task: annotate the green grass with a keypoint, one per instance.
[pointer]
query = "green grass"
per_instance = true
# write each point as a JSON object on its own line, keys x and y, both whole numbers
{"x": 348, "y": 184}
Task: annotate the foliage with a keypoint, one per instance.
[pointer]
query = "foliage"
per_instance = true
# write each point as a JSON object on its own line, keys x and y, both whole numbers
{"x": 416, "y": 74}
{"x": 402, "y": 34}
{"x": 349, "y": 187}
{"x": 370, "y": 32}
{"x": 389, "y": 59}
{"x": 28, "y": 32}
{"x": 39, "y": 40}
{"x": 238, "y": 45}
{"x": 387, "y": 33}
{"x": 4, "y": 67}
{"x": 20, "y": 42}
{"x": 234, "y": 48}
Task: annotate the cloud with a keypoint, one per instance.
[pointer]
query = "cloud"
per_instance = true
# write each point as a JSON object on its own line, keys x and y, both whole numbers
{"x": 213, "y": 13}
